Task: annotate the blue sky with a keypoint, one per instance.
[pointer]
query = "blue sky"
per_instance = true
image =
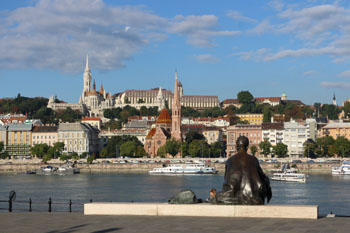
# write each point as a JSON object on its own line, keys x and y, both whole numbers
{"x": 301, "y": 48}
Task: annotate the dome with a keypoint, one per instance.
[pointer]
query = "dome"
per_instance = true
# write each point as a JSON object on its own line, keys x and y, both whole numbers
{"x": 164, "y": 117}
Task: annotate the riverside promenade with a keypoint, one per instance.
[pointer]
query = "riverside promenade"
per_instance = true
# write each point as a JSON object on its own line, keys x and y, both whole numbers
{"x": 77, "y": 222}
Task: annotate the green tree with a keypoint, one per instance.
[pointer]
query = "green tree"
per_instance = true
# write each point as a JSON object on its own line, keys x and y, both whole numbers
{"x": 266, "y": 115}
{"x": 128, "y": 148}
{"x": 245, "y": 97}
{"x": 90, "y": 159}
{"x": 346, "y": 109}
{"x": 198, "y": 148}
{"x": 1, "y": 146}
{"x": 161, "y": 151}
{"x": 342, "y": 146}
{"x": 309, "y": 149}
{"x": 104, "y": 153}
{"x": 193, "y": 135}
{"x": 39, "y": 150}
{"x": 172, "y": 147}
{"x": 65, "y": 157}
{"x": 184, "y": 149}
{"x": 265, "y": 147}
{"x": 253, "y": 150}
{"x": 112, "y": 124}
{"x": 216, "y": 149}
{"x": 281, "y": 150}
{"x": 322, "y": 145}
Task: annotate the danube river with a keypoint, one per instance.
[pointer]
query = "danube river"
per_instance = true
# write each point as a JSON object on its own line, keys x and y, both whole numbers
{"x": 331, "y": 193}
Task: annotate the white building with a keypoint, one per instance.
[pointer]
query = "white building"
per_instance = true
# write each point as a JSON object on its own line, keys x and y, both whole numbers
{"x": 295, "y": 134}
{"x": 78, "y": 137}
{"x": 272, "y": 132}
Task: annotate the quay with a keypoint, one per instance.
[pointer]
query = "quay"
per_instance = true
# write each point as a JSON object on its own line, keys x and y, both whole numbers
{"x": 23, "y": 222}
{"x": 18, "y": 166}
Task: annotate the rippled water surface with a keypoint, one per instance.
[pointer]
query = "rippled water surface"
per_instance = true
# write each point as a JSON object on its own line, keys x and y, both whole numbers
{"x": 331, "y": 193}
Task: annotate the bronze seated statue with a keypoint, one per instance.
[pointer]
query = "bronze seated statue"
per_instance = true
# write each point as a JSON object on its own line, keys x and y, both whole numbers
{"x": 245, "y": 182}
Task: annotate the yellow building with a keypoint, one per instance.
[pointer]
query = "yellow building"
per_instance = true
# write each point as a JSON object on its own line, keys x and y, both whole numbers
{"x": 335, "y": 130}
{"x": 19, "y": 139}
{"x": 44, "y": 135}
{"x": 251, "y": 118}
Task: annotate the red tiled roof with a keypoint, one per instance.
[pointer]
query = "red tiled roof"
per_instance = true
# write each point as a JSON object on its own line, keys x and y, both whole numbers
{"x": 230, "y": 101}
{"x": 164, "y": 117}
{"x": 151, "y": 133}
{"x": 90, "y": 119}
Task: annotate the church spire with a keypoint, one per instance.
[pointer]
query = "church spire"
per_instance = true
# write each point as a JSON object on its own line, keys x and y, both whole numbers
{"x": 101, "y": 89}
{"x": 94, "y": 86}
{"x": 334, "y": 99}
{"x": 176, "y": 113}
{"x": 87, "y": 68}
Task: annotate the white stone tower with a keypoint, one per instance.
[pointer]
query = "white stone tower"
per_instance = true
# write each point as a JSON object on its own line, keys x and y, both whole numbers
{"x": 87, "y": 76}
{"x": 160, "y": 100}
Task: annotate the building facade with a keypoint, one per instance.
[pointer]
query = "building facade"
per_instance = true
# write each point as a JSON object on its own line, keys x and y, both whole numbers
{"x": 252, "y": 132}
{"x": 336, "y": 130}
{"x": 295, "y": 134}
{"x": 92, "y": 101}
{"x": 44, "y": 135}
{"x": 19, "y": 139}
{"x": 251, "y": 118}
{"x": 273, "y": 133}
{"x": 78, "y": 137}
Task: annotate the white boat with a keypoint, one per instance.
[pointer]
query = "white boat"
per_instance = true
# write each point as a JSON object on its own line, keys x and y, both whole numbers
{"x": 344, "y": 169}
{"x": 289, "y": 175}
{"x": 184, "y": 169}
{"x": 68, "y": 170}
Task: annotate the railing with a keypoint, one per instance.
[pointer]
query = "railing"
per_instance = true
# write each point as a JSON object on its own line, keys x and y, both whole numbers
{"x": 12, "y": 201}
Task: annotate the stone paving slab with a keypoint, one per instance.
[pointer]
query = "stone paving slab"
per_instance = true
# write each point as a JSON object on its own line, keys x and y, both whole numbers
{"x": 77, "y": 222}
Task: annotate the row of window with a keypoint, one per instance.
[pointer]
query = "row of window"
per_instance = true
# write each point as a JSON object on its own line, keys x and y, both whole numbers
{"x": 43, "y": 137}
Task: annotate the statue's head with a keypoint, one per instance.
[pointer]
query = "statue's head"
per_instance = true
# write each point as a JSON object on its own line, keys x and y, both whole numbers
{"x": 242, "y": 143}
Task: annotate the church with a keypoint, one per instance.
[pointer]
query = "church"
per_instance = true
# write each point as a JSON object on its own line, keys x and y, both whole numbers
{"x": 165, "y": 127}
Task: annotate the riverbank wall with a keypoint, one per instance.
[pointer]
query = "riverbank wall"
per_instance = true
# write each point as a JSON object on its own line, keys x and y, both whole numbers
{"x": 20, "y": 167}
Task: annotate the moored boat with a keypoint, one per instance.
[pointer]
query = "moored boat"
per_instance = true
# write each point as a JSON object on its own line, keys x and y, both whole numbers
{"x": 184, "y": 169}
{"x": 344, "y": 169}
{"x": 290, "y": 175}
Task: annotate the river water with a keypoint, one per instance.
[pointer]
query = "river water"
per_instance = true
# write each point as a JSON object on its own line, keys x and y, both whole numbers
{"x": 331, "y": 193}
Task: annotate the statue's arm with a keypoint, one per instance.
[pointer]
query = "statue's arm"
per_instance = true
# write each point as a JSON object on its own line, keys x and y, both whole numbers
{"x": 265, "y": 181}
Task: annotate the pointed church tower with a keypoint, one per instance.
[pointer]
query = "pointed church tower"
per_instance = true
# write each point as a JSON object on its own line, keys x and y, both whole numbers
{"x": 160, "y": 99}
{"x": 94, "y": 87}
{"x": 176, "y": 113}
{"x": 334, "y": 100}
{"x": 87, "y": 76}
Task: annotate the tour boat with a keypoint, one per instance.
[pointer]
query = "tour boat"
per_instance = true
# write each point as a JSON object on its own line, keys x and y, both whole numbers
{"x": 289, "y": 175}
{"x": 184, "y": 169}
{"x": 344, "y": 169}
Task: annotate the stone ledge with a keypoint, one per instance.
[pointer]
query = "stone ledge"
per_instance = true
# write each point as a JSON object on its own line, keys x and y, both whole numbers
{"x": 202, "y": 210}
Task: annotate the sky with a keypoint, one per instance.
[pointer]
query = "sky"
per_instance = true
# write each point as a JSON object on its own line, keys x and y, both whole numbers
{"x": 301, "y": 48}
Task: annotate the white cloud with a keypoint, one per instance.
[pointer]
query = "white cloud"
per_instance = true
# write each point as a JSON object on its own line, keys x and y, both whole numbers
{"x": 206, "y": 58}
{"x": 276, "y": 4}
{"x": 345, "y": 73}
{"x": 257, "y": 55}
{"x": 199, "y": 29}
{"x": 310, "y": 73}
{"x": 315, "y": 21}
{"x": 336, "y": 85}
{"x": 57, "y": 34}
{"x": 263, "y": 27}
{"x": 236, "y": 15}
{"x": 335, "y": 52}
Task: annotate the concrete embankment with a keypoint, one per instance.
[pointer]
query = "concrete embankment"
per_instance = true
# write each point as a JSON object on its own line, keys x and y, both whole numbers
{"x": 19, "y": 167}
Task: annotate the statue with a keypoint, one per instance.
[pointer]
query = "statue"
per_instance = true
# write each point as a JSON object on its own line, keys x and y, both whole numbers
{"x": 245, "y": 182}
